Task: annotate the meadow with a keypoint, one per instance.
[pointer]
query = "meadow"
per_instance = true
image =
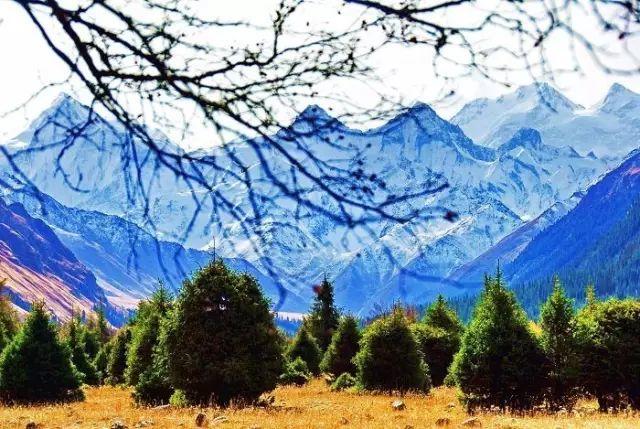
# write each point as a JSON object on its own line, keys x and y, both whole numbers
{"x": 310, "y": 406}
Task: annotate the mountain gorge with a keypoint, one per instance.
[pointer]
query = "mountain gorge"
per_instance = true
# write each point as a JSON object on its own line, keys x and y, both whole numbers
{"x": 513, "y": 166}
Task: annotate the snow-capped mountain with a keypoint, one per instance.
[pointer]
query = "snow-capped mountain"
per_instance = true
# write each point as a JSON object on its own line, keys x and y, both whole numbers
{"x": 608, "y": 129}
{"x": 491, "y": 192}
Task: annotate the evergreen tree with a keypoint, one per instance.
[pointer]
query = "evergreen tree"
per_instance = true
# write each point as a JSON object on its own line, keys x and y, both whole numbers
{"x": 154, "y": 386}
{"x": 500, "y": 362}
{"x": 91, "y": 342}
{"x": 608, "y": 337}
{"x": 117, "y": 361}
{"x": 559, "y": 345}
{"x": 221, "y": 342}
{"x": 74, "y": 335}
{"x": 389, "y": 359}
{"x": 101, "y": 361}
{"x": 36, "y": 366}
{"x": 145, "y": 333}
{"x": 439, "y": 335}
{"x": 305, "y": 347}
{"x": 338, "y": 358}
{"x": 324, "y": 317}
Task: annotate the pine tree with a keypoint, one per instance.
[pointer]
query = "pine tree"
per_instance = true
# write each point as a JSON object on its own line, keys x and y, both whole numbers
{"x": 74, "y": 335}
{"x": 324, "y": 317}
{"x": 145, "y": 333}
{"x": 389, "y": 359}
{"x": 154, "y": 386}
{"x": 221, "y": 341}
{"x": 500, "y": 362}
{"x": 439, "y": 335}
{"x": 117, "y": 361}
{"x": 608, "y": 338}
{"x": 338, "y": 358}
{"x": 559, "y": 345}
{"x": 305, "y": 347}
{"x": 36, "y": 366}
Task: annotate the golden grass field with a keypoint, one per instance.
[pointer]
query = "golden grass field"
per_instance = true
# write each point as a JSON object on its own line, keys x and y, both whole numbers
{"x": 312, "y": 406}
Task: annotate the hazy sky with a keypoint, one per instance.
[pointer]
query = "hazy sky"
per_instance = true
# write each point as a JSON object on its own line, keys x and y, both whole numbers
{"x": 27, "y": 64}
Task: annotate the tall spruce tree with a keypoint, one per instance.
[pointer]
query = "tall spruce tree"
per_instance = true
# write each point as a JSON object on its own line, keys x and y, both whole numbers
{"x": 500, "y": 362}
{"x": 117, "y": 360}
{"x": 324, "y": 317}
{"x": 560, "y": 347}
{"x": 439, "y": 335}
{"x": 345, "y": 344}
{"x": 154, "y": 385}
{"x": 389, "y": 359}
{"x": 221, "y": 341}
{"x": 36, "y": 366}
{"x": 305, "y": 347}
{"x": 145, "y": 333}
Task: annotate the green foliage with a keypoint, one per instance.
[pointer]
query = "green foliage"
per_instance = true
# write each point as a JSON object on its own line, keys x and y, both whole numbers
{"x": 438, "y": 348}
{"x": 101, "y": 361}
{"x": 306, "y": 348}
{"x": 296, "y": 372}
{"x": 36, "y": 366}
{"x": 389, "y": 358}
{"x": 559, "y": 345}
{"x": 74, "y": 334}
{"x": 152, "y": 386}
{"x": 179, "y": 399}
{"x": 145, "y": 333}
{"x": 324, "y": 317}
{"x": 344, "y": 345}
{"x": 608, "y": 335}
{"x": 500, "y": 362}
{"x": 117, "y": 361}
{"x": 441, "y": 315}
{"x": 221, "y": 341}
{"x": 343, "y": 382}
{"x": 9, "y": 324}
{"x": 439, "y": 335}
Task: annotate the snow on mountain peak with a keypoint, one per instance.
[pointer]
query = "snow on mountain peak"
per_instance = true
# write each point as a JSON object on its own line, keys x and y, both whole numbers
{"x": 313, "y": 118}
{"x": 546, "y": 95}
{"x": 524, "y": 137}
{"x": 620, "y": 100}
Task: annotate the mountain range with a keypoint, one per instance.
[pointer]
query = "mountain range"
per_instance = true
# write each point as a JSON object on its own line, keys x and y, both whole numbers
{"x": 515, "y": 167}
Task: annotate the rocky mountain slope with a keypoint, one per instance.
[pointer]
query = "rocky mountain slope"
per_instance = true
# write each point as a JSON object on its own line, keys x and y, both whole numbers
{"x": 38, "y": 266}
{"x": 493, "y": 190}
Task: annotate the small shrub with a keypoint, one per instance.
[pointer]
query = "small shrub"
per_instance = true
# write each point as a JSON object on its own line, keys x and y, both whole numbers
{"x": 296, "y": 373}
{"x": 179, "y": 399}
{"x": 343, "y": 382}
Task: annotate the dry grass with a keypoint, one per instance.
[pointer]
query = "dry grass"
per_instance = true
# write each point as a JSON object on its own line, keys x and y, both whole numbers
{"x": 313, "y": 406}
